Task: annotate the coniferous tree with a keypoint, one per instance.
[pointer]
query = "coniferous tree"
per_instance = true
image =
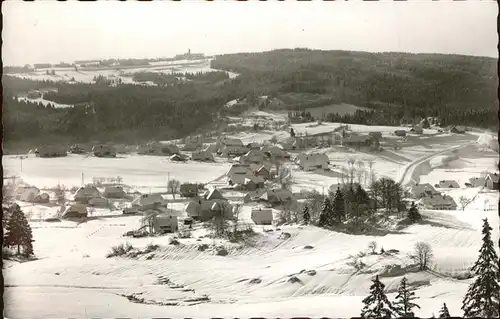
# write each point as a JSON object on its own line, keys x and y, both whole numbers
{"x": 18, "y": 232}
{"x": 403, "y": 303}
{"x": 325, "y": 214}
{"x": 482, "y": 298}
{"x": 444, "y": 313}
{"x": 377, "y": 304}
{"x": 414, "y": 214}
{"x": 338, "y": 209}
{"x": 306, "y": 216}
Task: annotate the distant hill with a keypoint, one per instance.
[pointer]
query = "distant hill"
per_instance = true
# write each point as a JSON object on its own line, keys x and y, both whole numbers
{"x": 369, "y": 79}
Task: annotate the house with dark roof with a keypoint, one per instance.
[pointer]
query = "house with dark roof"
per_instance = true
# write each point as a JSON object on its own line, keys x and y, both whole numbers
{"x": 422, "y": 190}
{"x": 457, "y": 129}
{"x": 448, "y": 184}
{"x": 438, "y": 202}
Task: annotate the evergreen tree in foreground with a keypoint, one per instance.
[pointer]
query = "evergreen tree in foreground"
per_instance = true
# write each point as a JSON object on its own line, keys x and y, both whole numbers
{"x": 414, "y": 214}
{"x": 306, "y": 216}
{"x": 325, "y": 215}
{"x": 338, "y": 209}
{"x": 376, "y": 304}
{"x": 482, "y": 298}
{"x": 18, "y": 232}
{"x": 444, "y": 313}
{"x": 403, "y": 304}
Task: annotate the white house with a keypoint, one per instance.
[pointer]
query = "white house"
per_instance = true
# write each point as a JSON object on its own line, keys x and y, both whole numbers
{"x": 149, "y": 201}
{"x": 438, "y": 202}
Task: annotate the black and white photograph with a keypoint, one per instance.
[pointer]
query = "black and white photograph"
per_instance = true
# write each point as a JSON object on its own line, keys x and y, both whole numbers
{"x": 243, "y": 159}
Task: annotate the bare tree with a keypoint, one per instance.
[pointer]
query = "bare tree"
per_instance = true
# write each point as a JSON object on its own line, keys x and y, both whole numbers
{"x": 274, "y": 139}
{"x": 422, "y": 255}
{"x": 285, "y": 177}
{"x": 372, "y": 246}
{"x": 60, "y": 194}
{"x": 360, "y": 172}
{"x": 463, "y": 202}
{"x": 173, "y": 187}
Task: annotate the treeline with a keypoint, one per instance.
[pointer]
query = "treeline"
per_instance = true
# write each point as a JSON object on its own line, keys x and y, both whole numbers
{"x": 456, "y": 86}
{"x": 124, "y": 113}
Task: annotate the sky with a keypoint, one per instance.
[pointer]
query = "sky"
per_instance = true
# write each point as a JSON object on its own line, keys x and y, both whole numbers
{"x": 50, "y": 31}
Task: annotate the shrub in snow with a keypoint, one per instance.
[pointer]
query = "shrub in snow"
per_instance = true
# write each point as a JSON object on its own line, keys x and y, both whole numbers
{"x": 373, "y": 247}
{"x": 119, "y": 250}
{"x": 382, "y": 250}
{"x": 284, "y": 235}
{"x": 151, "y": 248}
{"x": 221, "y": 251}
{"x": 185, "y": 234}
{"x": 308, "y": 247}
{"x": 422, "y": 255}
{"x": 293, "y": 279}
{"x": 150, "y": 257}
{"x": 311, "y": 272}
{"x": 173, "y": 241}
{"x": 202, "y": 247}
{"x": 255, "y": 281}
{"x": 392, "y": 251}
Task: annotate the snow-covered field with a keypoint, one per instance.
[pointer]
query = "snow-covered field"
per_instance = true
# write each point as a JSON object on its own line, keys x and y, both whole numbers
{"x": 125, "y": 74}
{"x": 253, "y": 280}
{"x": 148, "y": 172}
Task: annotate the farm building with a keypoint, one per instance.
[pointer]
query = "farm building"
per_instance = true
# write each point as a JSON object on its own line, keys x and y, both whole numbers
{"x": 204, "y": 210}
{"x": 202, "y": 156}
{"x": 262, "y": 216}
{"x": 491, "y": 181}
{"x": 192, "y": 146}
{"x": 98, "y": 202}
{"x": 253, "y": 182}
{"x": 43, "y": 198}
{"x": 252, "y": 196}
{"x": 178, "y": 158}
{"x": 238, "y": 169}
{"x": 161, "y": 223}
{"x": 448, "y": 184}
{"x": 188, "y": 190}
{"x": 114, "y": 192}
{"x": 276, "y": 196}
{"x": 304, "y": 142}
{"x": 355, "y": 140}
{"x": 232, "y": 142}
{"x": 417, "y": 130}
{"x": 239, "y": 179}
{"x": 457, "y": 129}
{"x": 149, "y": 201}
{"x": 50, "y": 151}
{"x": 274, "y": 151}
{"x": 310, "y": 162}
{"x": 231, "y": 150}
{"x": 75, "y": 211}
{"x": 422, "y": 190}
{"x": 253, "y": 156}
{"x": 263, "y": 172}
{"x": 77, "y": 149}
{"x": 213, "y": 194}
{"x": 86, "y": 193}
{"x": 288, "y": 144}
{"x": 27, "y": 193}
{"x": 438, "y": 202}
{"x": 253, "y": 146}
{"x": 400, "y": 132}
{"x": 477, "y": 181}
{"x": 157, "y": 148}
{"x": 102, "y": 150}
{"x": 211, "y": 148}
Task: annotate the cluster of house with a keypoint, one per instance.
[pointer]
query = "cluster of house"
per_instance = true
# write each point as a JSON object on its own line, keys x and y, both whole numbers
{"x": 430, "y": 198}
{"x": 89, "y": 196}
